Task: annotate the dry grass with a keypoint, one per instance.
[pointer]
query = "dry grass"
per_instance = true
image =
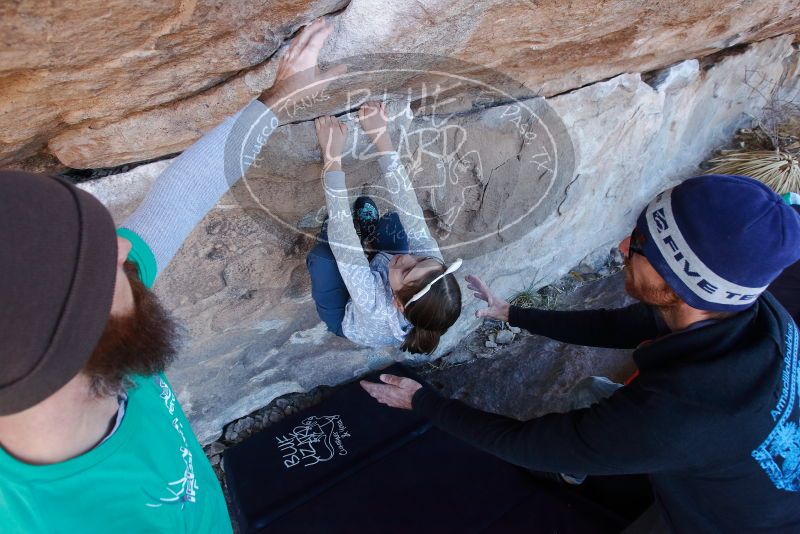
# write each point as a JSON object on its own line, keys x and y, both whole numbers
{"x": 770, "y": 150}
{"x": 777, "y": 169}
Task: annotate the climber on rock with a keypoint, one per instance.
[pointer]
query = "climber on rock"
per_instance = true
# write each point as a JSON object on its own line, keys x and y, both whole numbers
{"x": 93, "y": 437}
{"x": 404, "y": 295}
{"x": 713, "y": 413}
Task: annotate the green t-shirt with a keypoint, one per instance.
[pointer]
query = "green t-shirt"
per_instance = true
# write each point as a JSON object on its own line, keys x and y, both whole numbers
{"x": 150, "y": 475}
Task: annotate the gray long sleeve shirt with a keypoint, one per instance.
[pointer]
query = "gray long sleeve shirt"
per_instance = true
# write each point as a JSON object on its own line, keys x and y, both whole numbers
{"x": 192, "y": 185}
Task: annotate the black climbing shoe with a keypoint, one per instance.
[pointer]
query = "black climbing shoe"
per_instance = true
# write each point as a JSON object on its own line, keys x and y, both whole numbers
{"x": 365, "y": 219}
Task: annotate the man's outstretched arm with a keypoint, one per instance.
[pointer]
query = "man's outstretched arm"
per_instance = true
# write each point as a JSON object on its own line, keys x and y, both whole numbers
{"x": 615, "y": 436}
{"x": 623, "y": 328}
{"x": 197, "y": 179}
{"x": 188, "y": 189}
{"x": 608, "y": 438}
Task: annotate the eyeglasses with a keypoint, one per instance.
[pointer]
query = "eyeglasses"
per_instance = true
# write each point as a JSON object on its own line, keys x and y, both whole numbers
{"x": 637, "y": 243}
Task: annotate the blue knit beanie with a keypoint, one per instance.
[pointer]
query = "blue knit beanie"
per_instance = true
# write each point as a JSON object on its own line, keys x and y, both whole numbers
{"x": 719, "y": 240}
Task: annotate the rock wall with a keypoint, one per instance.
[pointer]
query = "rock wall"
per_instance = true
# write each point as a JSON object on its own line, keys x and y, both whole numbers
{"x": 239, "y": 283}
{"x": 103, "y": 82}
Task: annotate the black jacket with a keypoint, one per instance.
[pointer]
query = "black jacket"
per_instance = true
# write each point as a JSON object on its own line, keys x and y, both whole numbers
{"x": 786, "y": 288}
{"x": 712, "y": 417}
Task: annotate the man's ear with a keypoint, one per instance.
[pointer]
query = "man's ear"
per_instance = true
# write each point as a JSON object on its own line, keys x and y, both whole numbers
{"x": 123, "y": 248}
{"x": 397, "y": 304}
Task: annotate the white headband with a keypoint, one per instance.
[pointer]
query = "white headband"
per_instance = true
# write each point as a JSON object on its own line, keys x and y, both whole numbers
{"x": 453, "y": 268}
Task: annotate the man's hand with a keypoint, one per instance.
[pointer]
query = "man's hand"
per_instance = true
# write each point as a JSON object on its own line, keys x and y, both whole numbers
{"x": 331, "y": 134}
{"x": 395, "y": 391}
{"x": 298, "y": 81}
{"x": 498, "y": 308}
{"x": 372, "y": 117}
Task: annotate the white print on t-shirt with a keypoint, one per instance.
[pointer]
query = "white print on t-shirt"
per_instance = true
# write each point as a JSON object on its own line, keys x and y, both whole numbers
{"x": 167, "y": 396}
{"x": 315, "y": 440}
{"x": 184, "y": 489}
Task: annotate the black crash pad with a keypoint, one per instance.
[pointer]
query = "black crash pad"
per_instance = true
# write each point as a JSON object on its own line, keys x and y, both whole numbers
{"x": 350, "y": 464}
{"x": 289, "y": 463}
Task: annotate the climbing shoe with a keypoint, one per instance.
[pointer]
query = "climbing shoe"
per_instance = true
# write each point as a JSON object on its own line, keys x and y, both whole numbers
{"x": 365, "y": 219}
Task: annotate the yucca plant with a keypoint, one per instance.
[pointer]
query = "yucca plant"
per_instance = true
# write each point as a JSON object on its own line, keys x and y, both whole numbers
{"x": 777, "y": 169}
{"x": 769, "y": 152}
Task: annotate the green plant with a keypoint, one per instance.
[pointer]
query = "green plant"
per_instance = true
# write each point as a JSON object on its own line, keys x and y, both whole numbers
{"x": 532, "y": 298}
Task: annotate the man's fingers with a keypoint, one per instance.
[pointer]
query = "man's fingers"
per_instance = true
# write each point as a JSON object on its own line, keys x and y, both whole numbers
{"x": 399, "y": 381}
{"x": 317, "y": 40}
{"x": 373, "y": 389}
{"x": 482, "y": 291}
{"x": 308, "y": 56}
{"x": 476, "y": 282}
{"x": 396, "y": 391}
{"x": 391, "y": 379}
{"x": 379, "y": 392}
{"x": 302, "y": 55}
{"x": 368, "y": 386}
{"x": 406, "y": 382}
{"x": 302, "y": 39}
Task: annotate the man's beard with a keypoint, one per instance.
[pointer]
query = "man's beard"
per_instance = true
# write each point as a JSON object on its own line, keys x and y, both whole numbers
{"x": 140, "y": 343}
{"x": 661, "y": 295}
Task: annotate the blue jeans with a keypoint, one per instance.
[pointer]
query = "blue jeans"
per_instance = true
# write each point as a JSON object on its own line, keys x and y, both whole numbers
{"x": 327, "y": 287}
{"x": 391, "y": 236}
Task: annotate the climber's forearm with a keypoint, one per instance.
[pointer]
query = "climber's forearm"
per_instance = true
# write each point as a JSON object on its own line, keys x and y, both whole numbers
{"x": 195, "y": 181}
{"x": 362, "y": 284}
{"x": 404, "y": 199}
{"x": 383, "y": 143}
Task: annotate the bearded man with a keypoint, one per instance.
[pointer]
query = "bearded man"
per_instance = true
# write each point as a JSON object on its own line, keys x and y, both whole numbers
{"x": 93, "y": 437}
{"x": 713, "y": 413}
